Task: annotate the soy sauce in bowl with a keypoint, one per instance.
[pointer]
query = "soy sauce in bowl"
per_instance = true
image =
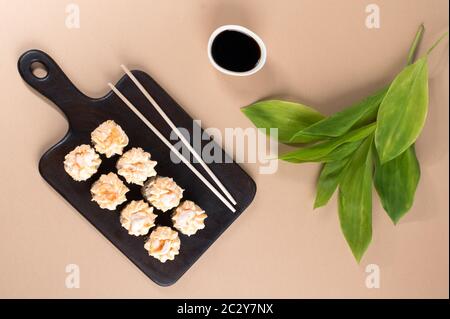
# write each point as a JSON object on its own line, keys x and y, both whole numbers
{"x": 235, "y": 51}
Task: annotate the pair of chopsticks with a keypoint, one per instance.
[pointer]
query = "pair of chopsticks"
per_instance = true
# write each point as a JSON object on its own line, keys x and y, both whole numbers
{"x": 180, "y": 136}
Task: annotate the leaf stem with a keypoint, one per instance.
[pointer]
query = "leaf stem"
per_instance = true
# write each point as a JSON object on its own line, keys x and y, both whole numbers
{"x": 442, "y": 37}
{"x": 413, "y": 49}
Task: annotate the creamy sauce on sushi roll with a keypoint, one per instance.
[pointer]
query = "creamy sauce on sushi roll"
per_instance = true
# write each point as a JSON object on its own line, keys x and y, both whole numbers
{"x": 162, "y": 192}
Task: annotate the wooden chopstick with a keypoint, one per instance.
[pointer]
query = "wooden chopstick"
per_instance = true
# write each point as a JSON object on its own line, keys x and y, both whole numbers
{"x": 180, "y": 136}
{"x": 171, "y": 147}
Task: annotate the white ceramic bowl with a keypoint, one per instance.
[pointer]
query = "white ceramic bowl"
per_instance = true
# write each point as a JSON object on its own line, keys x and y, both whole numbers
{"x": 238, "y": 28}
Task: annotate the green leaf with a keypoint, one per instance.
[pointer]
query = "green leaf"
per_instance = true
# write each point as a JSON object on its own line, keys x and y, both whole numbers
{"x": 403, "y": 112}
{"x": 355, "y": 200}
{"x": 329, "y": 179}
{"x": 396, "y": 183}
{"x": 317, "y": 154}
{"x": 341, "y": 152}
{"x": 361, "y": 113}
{"x": 288, "y": 117}
{"x": 321, "y": 151}
{"x": 413, "y": 49}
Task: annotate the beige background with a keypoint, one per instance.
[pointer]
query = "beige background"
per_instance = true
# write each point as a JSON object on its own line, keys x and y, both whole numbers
{"x": 319, "y": 52}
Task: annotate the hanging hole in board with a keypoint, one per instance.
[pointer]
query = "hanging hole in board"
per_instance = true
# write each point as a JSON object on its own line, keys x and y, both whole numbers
{"x": 39, "y": 69}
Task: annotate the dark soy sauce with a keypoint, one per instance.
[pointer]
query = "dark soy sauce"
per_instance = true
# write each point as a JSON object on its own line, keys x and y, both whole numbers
{"x": 235, "y": 51}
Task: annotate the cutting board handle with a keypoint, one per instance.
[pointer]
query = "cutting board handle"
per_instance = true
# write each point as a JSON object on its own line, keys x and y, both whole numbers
{"x": 55, "y": 85}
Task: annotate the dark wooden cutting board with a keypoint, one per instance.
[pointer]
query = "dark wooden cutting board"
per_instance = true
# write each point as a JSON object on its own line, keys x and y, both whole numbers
{"x": 84, "y": 114}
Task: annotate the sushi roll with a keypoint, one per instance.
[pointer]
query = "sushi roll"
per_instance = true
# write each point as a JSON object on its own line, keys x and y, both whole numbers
{"x": 109, "y": 191}
{"x": 137, "y": 217}
{"x": 188, "y": 218}
{"x": 82, "y": 162}
{"x": 109, "y": 138}
{"x": 162, "y": 192}
{"x": 163, "y": 244}
{"x": 135, "y": 166}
